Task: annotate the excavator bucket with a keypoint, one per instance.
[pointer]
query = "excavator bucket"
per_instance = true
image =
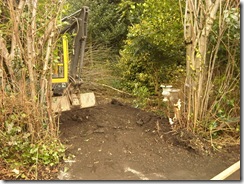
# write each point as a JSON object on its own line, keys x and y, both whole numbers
{"x": 61, "y": 103}
{"x": 64, "y": 103}
{"x": 87, "y": 100}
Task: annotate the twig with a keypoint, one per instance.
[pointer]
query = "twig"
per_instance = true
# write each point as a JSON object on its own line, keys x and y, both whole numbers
{"x": 115, "y": 89}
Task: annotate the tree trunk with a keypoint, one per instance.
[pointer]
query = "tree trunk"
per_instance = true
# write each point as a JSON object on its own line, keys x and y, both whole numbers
{"x": 198, "y": 23}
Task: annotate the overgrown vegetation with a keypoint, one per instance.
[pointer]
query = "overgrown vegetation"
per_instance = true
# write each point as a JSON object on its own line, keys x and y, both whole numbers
{"x": 192, "y": 45}
{"x": 29, "y": 130}
{"x": 154, "y": 49}
{"x": 106, "y": 30}
{"x": 212, "y": 87}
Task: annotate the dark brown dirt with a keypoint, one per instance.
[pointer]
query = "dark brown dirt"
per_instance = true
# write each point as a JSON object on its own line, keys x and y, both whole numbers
{"x": 114, "y": 141}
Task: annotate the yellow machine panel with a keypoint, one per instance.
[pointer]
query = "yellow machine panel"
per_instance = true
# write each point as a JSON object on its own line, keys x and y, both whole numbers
{"x": 60, "y": 69}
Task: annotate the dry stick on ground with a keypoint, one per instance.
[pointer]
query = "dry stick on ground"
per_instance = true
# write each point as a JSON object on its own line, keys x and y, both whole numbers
{"x": 113, "y": 88}
{"x": 116, "y": 89}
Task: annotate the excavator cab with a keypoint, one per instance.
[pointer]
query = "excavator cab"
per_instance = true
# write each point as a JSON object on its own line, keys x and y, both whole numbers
{"x": 66, "y": 75}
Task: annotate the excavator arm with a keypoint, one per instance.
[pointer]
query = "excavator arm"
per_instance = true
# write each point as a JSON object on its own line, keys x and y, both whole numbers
{"x": 78, "y": 23}
{"x": 66, "y": 78}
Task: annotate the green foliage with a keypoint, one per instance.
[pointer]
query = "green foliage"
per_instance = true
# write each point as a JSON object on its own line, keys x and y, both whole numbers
{"x": 127, "y": 11}
{"x": 28, "y": 131}
{"x": 18, "y": 149}
{"x": 23, "y": 147}
{"x": 154, "y": 48}
{"x": 225, "y": 96}
{"x": 232, "y": 19}
{"x": 142, "y": 93}
{"x": 104, "y": 24}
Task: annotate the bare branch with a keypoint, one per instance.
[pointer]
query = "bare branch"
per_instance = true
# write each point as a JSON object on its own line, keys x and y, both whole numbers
{"x": 209, "y": 21}
{"x": 4, "y": 54}
{"x": 4, "y": 51}
{"x": 208, "y": 3}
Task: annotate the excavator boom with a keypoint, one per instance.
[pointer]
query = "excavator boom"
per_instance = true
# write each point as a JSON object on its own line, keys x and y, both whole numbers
{"x": 66, "y": 78}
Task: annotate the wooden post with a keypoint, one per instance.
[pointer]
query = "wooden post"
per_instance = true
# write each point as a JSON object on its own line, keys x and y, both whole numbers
{"x": 227, "y": 172}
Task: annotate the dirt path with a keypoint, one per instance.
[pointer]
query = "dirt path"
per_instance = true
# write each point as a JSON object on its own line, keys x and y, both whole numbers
{"x": 113, "y": 141}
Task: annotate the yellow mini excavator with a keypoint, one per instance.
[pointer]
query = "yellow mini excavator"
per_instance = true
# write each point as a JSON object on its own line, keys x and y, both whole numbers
{"x": 66, "y": 77}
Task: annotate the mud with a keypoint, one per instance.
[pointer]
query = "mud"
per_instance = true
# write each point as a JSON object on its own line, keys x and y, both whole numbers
{"x": 114, "y": 141}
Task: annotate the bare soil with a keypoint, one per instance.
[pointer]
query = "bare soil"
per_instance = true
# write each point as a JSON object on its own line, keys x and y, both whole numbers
{"x": 115, "y": 141}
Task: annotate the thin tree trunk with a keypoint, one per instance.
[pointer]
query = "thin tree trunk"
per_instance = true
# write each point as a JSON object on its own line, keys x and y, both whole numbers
{"x": 31, "y": 59}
